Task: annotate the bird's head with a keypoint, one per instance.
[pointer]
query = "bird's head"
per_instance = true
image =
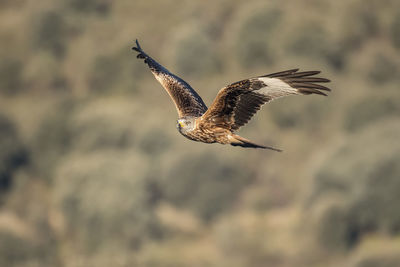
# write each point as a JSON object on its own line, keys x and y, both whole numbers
{"x": 185, "y": 124}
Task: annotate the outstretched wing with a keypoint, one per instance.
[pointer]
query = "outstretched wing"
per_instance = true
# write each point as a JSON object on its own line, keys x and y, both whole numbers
{"x": 235, "y": 104}
{"x": 187, "y": 101}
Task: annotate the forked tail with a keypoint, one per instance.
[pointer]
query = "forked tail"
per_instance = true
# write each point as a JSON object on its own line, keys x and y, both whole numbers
{"x": 243, "y": 142}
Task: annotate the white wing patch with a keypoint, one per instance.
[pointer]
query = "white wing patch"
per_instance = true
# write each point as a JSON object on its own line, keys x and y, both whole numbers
{"x": 276, "y": 88}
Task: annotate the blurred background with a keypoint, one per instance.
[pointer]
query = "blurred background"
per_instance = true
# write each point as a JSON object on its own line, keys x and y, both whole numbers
{"x": 94, "y": 173}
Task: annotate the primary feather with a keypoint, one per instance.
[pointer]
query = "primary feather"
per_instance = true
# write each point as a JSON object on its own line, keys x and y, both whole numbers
{"x": 235, "y": 104}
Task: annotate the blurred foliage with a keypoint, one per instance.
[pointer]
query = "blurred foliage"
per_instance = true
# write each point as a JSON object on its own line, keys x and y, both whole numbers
{"x": 369, "y": 110}
{"x": 94, "y": 173}
{"x": 98, "y": 6}
{"x": 205, "y": 184}
{"x": 360, "y": 23}
{"x": 45, "y": 72}
{"x": 195, "y": 54}
{"x": 395, "y": 31}
{"x": 51, "y": 33}
{"x": 10, "y": 75}
{"x": 153, "y": 142}
{"x": 108, "y": 72}
{"x": 12, "y": 153}
{"x": 252, "y": 44}
{"x": 52, "y": 139}
{"x": 379, "y": 260}
{"x": 312, "y": 39}
{"x": 105, "y": 73}
{"x": 20, "y": 251}
{"x": 92, "y": 134}
{"x": 286, "y": 116}
{"x": 384, "y": 69}
{"x": 309, "y": 39}
{"x": 102, "y": 208}
{"x": 367, "y": 183}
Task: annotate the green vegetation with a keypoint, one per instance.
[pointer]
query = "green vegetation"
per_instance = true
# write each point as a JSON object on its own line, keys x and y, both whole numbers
{"x": 10, "y": 75}
{"x": 371, "y": 109}
{"x": 51, "y": 33}
{"x": 205, "y": 184}
{"x": 366, "y": 186}
{"x": 395, "y": 31}
{"x": 195, "y": 56}
{"x": 94, "y": 173}
{"x": 12, "y": 153}
{"x": 253, "y": 48}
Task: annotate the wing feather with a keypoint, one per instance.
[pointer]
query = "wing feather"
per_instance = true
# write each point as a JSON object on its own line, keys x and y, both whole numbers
{"x": 185, "y": 98}
{"x": 236, "y": 104}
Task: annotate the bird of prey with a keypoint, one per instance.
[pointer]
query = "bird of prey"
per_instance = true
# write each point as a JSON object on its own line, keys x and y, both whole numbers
{"x": 234, "y": 104}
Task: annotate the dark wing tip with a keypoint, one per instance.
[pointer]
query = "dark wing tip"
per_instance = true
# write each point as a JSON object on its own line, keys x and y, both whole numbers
{"x": 153, "y": 65}
{"x": 142, "y": 54}
{"x": 273, "y": 148}
{"x": 269, "y": 148}
{"x": 281, "y": 73}
{"x": 137, "y": 47}
{"x": 308, "y": 91}
{"x": 306, "y": 82}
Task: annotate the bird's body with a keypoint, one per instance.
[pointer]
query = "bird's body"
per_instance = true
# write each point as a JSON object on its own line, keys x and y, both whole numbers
{"x": 234, "y": 104}
{"x": 195, "y": 129}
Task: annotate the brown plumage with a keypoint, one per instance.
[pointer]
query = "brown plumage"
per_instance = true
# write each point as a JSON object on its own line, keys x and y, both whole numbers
{"x": 234, "y": 104}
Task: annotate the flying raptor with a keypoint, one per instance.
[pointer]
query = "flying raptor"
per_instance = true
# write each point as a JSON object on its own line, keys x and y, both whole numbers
{"x": 234, "y": 104}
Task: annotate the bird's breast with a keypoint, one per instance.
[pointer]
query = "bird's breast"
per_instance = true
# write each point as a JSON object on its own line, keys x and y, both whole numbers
{"x": 199, "y": 136}
{"x": 207, "y": 134}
